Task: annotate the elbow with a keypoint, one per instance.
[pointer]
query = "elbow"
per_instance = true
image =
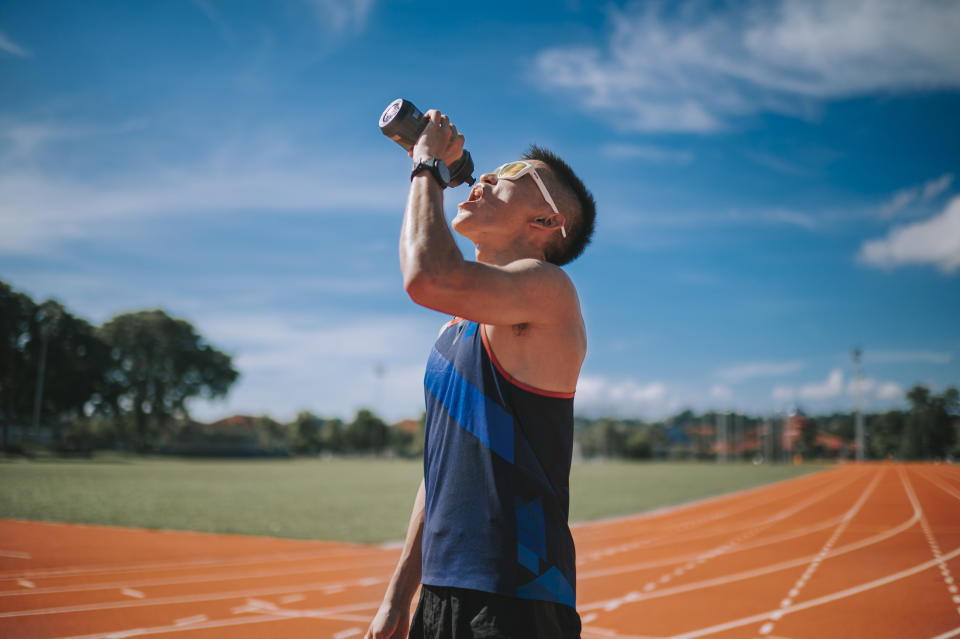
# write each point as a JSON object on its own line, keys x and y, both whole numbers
{"x": 426, "y": 288}
{"x": 420, "y": 286}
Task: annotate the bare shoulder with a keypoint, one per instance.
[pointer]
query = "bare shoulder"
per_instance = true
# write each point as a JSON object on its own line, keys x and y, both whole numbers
{"x": 547, "y": 283}
{"x": 546, "y": 352}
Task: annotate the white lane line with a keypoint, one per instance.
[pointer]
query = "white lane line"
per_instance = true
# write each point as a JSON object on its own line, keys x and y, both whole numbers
{"x": 666, "y": 510}
{"x": 697, "y": 523}
{"x": 289, "y": 599}
{"x": 942, "y": 487}
{"x": 819, "y": 601}
{"x": 208, "y": 578}
{"x": 13, "y": 554}
{"x": 931, "y": 540}
{"x": 592, "y": 632}
{"x": 767, "y": 628}
{"x": 349, "y": 632}
{"x": 765, "y": 570}
{"x": 193, "y": 563}
{"x": 26, "y": 583}
{"x": 262, "y": 606}
{"x": 162, "y": 601}
{"x": 753, "y": 530}
{"x": 130, "y": 592}
{"x": 335, "y": 614}
{"x": 697, "y": 558}
{"x": 190, "y": 621}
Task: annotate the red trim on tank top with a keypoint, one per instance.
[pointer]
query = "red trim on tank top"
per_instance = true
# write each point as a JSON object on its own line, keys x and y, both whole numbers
{"x": 455, "y": 320}
{"x": 511, "y": 378}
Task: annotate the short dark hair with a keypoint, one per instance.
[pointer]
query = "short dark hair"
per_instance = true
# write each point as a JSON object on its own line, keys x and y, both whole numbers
{"x": 581, "y": 230}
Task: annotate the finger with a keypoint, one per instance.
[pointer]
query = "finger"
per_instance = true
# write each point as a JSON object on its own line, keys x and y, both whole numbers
{"x": 453, "y": 130}
{"x": 434, "y": 116}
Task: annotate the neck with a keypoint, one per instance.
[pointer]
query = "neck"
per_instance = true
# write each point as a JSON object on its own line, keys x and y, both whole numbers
{"x": 503, "y": 255}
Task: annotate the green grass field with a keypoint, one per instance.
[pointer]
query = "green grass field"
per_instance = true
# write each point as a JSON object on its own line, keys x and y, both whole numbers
{"x": 359, "y": 500}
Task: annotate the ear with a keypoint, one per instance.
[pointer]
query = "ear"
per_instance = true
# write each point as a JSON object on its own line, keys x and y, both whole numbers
{"x": 551, "y": 222}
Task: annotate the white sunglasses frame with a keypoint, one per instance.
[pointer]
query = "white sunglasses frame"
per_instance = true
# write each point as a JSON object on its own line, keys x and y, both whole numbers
{"x": 529, "y": 169}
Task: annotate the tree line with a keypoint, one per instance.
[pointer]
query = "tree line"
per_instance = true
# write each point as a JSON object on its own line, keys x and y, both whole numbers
{"x": 928, "y": 429}
{"x": 69, "y": 385}
{"x": 59, "y": 373}
{"x": 126, "y": 383}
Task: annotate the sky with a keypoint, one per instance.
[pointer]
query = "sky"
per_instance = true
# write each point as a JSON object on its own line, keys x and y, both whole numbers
{"x": 778, "y": 183}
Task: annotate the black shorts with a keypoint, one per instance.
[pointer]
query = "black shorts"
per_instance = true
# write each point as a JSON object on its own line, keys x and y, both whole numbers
{"x": 457, "y": 613}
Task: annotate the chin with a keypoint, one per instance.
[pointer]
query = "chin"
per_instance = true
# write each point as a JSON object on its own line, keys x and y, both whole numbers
{"x": 462, "y": 223}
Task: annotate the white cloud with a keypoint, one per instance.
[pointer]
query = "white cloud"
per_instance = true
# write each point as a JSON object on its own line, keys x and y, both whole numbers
{"x": 11, "y": 47}
{"x": 794, "y": 218}
{"x": 829, "y": 388}
{"x": 922, "y": 192}
{"x": 343, "y": 15}
{"x": 747, "y": 370}
{"x": 833, "y": 387}
{"x": 602, "y": 395}
{"x": 329, "y": 365}
{"x": 39, "y": 211}
{"x": 670, "y": 67}
{"x": 900, "y": 357}
{"x": 20, "y": 140}
{"x": 889, "y": 391}
{"x": 870, "y": 387}
{"x": 652, "y": 154}
{"x": 721, "y": 392}
{"x": 933, "y": 241}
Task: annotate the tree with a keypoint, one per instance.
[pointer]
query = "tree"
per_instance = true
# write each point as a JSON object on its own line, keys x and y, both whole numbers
{"x": 16, "y": 316}
{"x": 606, "y": 438}
{"x": 52, "y": 364}
{"x": 809, "y": 429}
{"x": 157, "y": 364}
{"x": 306, "y": 433}
{"x": 366, "y": 432}
{"x": 332, "y": 438}
{"x": 886, "y": 433}
{"x": 74, "y": 359}
{"x": 928, "y": 429}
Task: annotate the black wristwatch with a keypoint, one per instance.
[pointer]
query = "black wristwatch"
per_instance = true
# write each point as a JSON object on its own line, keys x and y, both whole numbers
{"x": 436, "y": 166}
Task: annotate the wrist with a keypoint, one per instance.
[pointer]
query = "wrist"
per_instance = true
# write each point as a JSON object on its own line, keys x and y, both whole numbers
{"x": 433, "y": 166}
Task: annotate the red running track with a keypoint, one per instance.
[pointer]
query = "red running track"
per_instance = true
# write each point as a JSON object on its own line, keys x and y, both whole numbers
{"x": 857, "y": 551}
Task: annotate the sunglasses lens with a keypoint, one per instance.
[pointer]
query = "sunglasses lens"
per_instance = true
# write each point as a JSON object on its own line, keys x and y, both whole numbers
{"x": 512, "y": 170}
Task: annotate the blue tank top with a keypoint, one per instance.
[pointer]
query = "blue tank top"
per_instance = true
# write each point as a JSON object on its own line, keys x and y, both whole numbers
{"x": 496, "y": 473}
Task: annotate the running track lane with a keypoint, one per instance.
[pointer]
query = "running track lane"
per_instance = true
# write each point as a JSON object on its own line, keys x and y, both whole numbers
{"x": 857, "y": 551}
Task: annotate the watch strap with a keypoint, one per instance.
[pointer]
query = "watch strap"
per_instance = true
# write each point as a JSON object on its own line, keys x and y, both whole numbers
{"x": 433, "y": 166}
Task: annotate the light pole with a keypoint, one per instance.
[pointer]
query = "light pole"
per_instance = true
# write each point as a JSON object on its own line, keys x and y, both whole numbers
{"x": 857, "y": 356}
{"x": 47, "y": 318}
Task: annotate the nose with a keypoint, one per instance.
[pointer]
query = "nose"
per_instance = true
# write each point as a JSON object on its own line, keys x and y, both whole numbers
{"x": 489, "y": 178}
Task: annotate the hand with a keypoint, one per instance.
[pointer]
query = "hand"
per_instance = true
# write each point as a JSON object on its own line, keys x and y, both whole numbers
{"x": 439, "y": 140}
{"x": 390, "y": 622}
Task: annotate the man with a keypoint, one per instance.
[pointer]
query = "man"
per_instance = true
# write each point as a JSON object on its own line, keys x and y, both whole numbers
{"x": 488, "y": 537}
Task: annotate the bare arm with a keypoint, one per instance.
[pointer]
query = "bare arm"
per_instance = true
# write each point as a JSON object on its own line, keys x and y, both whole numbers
{"x": 392, "y": 620}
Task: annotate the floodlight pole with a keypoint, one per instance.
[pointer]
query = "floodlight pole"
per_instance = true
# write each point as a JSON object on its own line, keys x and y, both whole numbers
{"x": 722, "y": 441}
{"x": 857, "y": 355}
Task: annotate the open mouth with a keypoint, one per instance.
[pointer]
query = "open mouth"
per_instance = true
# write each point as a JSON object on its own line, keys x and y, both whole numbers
{"x": 475, "y": 193}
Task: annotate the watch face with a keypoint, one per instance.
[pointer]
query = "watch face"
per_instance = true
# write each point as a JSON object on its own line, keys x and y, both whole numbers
{"x": 443, "y": 171}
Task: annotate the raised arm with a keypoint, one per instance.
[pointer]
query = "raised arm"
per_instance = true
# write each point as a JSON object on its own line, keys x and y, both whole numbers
{"x": 436, "y": 275}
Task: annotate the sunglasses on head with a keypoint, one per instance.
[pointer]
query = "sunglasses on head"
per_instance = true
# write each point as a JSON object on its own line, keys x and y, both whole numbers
{"x": 516, "y": 170}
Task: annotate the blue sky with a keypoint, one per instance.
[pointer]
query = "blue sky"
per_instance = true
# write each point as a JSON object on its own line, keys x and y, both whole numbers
{"x": 777, "y": 183}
